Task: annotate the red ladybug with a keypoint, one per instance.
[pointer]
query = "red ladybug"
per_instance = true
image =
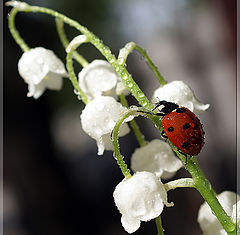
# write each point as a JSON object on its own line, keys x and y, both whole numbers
{"x": 181, "y": 127}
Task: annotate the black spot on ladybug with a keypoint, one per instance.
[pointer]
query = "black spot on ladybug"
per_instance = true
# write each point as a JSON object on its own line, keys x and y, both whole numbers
{"x": 170, "y": 129}
{"x": 186, "y": 126}
{"x": 185, "y": 145}
{"x": 180, "y": 110}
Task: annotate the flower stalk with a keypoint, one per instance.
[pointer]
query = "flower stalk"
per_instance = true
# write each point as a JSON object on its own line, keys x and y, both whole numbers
{"x": 60, "y": 29}
{"x": 74, "y": 78}
{"x": 140, "y": 137}
{"x": 14, "y": 32}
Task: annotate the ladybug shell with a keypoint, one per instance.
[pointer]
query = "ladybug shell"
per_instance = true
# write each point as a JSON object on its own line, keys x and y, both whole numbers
{"x": 184, "y": 130}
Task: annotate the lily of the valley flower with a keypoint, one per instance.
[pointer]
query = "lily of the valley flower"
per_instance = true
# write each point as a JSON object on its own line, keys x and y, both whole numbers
{"x": 140, "y": 198}
{"x": 99, "y": 118}
{"x": 180, "y": 93}
{"x": 208, "y": 221}
{"x": 40, "y": 68}
{"x": 156, "y": 157}
{"x": 99, "y": 78}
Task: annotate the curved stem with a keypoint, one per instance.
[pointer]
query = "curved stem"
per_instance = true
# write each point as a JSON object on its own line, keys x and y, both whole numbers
{"x": 73, "y": 77}
{"x": 129, "y": 47}
{"x": 14, "y": 32}
{"x": 140, "y": 137}
{"x": 151, "y": 64}
{"x": 123, "y": 166}
{"x": 119, "y": 157}
{"x": 60, "y": 29}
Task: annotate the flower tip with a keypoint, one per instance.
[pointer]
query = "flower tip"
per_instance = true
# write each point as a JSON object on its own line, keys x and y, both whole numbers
{"x": 77, "y": 41}
{"x": 17, "y": 4}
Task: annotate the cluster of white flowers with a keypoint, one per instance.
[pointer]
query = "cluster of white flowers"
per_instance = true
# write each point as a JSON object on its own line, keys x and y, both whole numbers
{"x": 143, "y": 196}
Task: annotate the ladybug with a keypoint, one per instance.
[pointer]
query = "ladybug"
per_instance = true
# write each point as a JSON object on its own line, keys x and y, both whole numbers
{"x": 181, "y": 127}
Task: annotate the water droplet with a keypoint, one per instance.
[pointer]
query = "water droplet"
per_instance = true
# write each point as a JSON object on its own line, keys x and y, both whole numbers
{"x": 75, "y": 91}
{"x": 114, "y": 155}
{"x": 125, "y": 77}
{"x": 117, "y": 69}
{"x": 144, "y": 104}
{"x": 112, "y": 60}
{"x": 79, "y": 97}
{"x": 130, "y": 84}
{"x": 121, "y": 61}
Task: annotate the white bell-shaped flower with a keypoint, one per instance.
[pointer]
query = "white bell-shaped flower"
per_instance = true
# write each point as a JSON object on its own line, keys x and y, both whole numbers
{"x": 180, "y": 93}
{"x": 156, "y": 157}
{"x": 208, "y": 221}
{"x": 99, "y": 118}
{"x": 99, "y": 78}
{"x": 140, "y": 198}
{"x": 40, "y": 68}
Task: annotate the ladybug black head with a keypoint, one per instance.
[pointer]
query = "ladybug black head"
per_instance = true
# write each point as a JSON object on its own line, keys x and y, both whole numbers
{"x": 168, "y": 107}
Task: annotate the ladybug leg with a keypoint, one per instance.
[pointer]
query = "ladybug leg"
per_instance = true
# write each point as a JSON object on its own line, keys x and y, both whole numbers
{"x": 164, "y": 135}
{"x": 185, "y": 155}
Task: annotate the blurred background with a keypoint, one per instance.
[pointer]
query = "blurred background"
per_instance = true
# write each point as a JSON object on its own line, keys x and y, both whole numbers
{"x": 54, "y": 182}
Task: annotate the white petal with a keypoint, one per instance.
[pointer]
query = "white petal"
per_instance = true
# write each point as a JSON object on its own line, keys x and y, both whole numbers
{"x": 130, "y": 224}
{"x": 53, "y": 81}
{"x": 98, "y": 78}
{"x": 180, "y": 93}
{"x": 99, "y": 118}
{"x": 36, "y": 91}
{"x": 35, "y": 64}
{"x": 208, "y": 221}
{"x": 140, "y": 198}
{"x": 156, "y": 157}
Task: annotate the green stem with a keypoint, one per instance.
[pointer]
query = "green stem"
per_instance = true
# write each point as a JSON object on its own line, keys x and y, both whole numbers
{"x": 60, "y": 29}
{"x": 120, "y": 69}
{"x": 205, "y": 189}
{"x": 119, "y": 157}
{"x": 140, "y": 137}
{"x": 14, "y": 32}
{"x": 159, "y": 225}
{"x": 151, "y": 64}
{"x": 74, "y": 78}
